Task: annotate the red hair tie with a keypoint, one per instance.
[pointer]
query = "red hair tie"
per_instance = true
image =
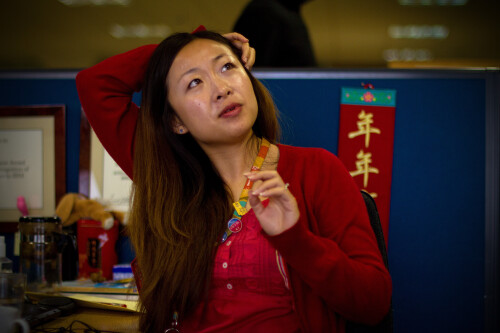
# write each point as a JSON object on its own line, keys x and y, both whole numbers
{"x": 200, "y": 28}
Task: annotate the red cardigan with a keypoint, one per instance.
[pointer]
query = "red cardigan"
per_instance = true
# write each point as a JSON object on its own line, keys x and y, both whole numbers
{"x": 333, "y": 261}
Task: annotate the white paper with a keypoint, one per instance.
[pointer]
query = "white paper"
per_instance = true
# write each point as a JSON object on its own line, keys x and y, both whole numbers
{"x": 116, "y": 185}
{"x": 21, "y": 168}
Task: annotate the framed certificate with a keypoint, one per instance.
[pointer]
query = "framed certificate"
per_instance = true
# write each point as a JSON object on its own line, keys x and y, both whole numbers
{"x": 32, "y": 161}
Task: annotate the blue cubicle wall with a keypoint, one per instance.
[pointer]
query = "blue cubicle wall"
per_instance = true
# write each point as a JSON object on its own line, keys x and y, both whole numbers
{"x": 436, "y": 230}
{"x": 437, "y": 217}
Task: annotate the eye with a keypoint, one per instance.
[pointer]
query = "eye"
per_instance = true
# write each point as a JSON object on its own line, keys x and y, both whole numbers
{"x": 194, "y": 83}
{"x": 228, "y": 66}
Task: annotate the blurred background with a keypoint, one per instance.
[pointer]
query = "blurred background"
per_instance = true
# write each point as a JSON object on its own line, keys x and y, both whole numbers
{"x": 444, "y": 254}
{"x": 71, "y": 34}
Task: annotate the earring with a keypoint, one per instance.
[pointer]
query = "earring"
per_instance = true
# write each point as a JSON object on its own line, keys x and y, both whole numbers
{"x": 181, "y": 130}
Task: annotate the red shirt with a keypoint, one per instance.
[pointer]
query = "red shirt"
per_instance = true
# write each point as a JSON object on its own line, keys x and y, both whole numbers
{"x": 248, "y": 292}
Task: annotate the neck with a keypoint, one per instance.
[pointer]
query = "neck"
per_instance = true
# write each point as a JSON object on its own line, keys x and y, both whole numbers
{"x": 232, "y": 160}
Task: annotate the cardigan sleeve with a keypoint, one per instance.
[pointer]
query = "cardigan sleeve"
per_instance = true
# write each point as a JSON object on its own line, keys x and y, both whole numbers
{"x": 332, "y": 248}
{"x": 105, "y": 92}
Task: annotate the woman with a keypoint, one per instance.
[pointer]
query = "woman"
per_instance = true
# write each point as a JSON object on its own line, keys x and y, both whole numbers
{"x": 295, "y": 253}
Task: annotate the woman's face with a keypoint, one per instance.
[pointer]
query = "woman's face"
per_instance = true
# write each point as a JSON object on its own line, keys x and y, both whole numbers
{"x": 211, "y": 93}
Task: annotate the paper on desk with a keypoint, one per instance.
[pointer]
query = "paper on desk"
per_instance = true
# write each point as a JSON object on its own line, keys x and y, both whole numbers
{"x": 89, "y": 287}
{"x": 107, "y": 303}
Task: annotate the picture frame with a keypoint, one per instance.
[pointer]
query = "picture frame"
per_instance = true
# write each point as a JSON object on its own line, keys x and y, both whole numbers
{"x": 32, "y": 161}
{"x": 100, "y": 177}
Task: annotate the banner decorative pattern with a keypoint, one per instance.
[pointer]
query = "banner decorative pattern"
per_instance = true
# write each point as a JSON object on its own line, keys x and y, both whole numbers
{"x": 366, "y": 140}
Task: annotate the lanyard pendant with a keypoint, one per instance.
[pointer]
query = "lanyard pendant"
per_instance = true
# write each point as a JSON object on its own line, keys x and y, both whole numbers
{"x": 234, "y": 225}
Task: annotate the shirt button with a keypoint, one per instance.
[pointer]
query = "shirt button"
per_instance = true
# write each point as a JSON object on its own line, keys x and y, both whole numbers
{"x": 224, "y": 265}
{"x": 229, "y": 286}
{"x": 228, "y": 243}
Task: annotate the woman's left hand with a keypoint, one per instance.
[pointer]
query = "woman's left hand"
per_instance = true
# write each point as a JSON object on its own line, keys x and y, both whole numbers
{"x": 241, "y": 42}
{"x": 282, "y": 211}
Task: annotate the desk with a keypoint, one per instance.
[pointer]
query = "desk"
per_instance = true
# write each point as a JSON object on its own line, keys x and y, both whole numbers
{"x": 91, "y": 310}
{"x": 104, "y": 320}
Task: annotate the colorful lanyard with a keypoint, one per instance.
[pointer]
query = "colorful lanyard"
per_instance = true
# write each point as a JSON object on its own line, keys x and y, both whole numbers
{"x": 234, "y": 225}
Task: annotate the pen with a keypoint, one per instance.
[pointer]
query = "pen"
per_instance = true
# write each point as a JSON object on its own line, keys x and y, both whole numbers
{"x": 115, "y": 304}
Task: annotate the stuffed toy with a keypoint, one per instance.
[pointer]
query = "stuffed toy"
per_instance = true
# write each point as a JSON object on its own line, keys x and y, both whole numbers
{"x": 73, "y": 207}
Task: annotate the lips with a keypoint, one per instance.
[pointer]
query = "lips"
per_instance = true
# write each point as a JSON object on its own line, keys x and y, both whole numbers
{"x": 231, "y": 110}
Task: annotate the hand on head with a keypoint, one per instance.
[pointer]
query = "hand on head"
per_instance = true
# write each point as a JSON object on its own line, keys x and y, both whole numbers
{"x": 241, "y": 42}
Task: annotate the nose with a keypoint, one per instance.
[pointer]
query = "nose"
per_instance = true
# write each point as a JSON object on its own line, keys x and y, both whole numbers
{"x": 222, "y": 89}
{"x": 226, "y": 93}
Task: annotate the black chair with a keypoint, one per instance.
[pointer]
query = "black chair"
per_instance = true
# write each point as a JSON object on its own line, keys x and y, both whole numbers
{"x": 386, "y": 325}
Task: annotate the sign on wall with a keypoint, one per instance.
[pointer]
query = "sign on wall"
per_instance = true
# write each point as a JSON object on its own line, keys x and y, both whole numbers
{"x": 366, "y": 140}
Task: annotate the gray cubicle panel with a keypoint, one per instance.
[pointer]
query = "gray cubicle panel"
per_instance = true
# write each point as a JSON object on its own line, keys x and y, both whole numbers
{"x": 444, "y": 220}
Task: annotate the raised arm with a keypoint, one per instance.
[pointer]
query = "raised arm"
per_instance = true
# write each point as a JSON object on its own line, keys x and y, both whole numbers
{"x": 105, "y": 92}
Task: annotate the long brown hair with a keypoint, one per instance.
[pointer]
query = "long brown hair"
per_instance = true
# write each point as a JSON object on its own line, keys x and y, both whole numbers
{"x": 180, "y": 202}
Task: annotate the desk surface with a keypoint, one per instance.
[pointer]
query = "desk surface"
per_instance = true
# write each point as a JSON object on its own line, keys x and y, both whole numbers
{"x": 103, "y": 320}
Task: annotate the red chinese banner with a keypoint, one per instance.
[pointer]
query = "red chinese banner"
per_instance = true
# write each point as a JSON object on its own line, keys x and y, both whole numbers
{"x": 366, "y": 140}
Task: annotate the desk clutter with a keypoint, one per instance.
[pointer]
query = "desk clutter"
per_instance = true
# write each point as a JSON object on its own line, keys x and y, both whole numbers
{"x": 119, "y": 287}
{"x": 117, "y": 296}
{"x": 62, "y": 314}
{"x": 45, "y": 309}
{"x": 69, "y": 269}
{"x": 83, "y": 234}
{"x": 96, "y": 250}
{"x": 97, "y": 234}
{"x": 43, "y": 243}
{"x": 79, "y": 298}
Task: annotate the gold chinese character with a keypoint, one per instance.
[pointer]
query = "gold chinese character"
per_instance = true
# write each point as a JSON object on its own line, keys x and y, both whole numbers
{"x": 363, "y": 167}
{"x": 364, "y": 127}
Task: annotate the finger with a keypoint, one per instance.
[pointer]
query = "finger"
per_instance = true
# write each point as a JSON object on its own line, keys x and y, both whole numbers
{"x": 245, "y": 52}
{"x": 250, "y": 59}
{"x": 261, "y": 175}
{"x": 264, "y": 179}
{"x": 255, "y": 203}
{"x": 268, "y": 185}
{"x": 238, "y": 44}
{"x": 234, "y": 36}
{"x": 278, "y": 193}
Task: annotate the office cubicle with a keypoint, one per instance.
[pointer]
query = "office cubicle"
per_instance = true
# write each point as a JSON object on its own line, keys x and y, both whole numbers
{"x": 444, "y": 211}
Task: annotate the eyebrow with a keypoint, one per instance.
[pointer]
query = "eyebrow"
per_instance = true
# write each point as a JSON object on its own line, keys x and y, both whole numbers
{"x": 194, "y": 69}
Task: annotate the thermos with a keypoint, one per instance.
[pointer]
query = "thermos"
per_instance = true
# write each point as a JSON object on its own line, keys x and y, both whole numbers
{"x": 40, "y": 255}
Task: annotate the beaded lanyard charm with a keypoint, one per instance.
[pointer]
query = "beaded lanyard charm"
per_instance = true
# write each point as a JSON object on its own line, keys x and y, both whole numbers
{"x": 234, "y": 225}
